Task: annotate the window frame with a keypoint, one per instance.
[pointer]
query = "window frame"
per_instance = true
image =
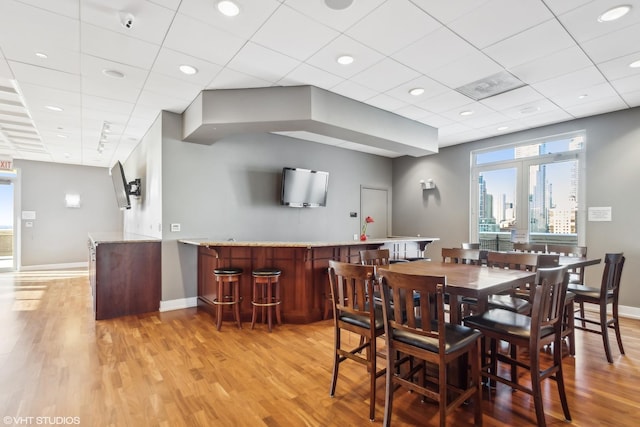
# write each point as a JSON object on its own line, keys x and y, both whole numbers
{"x": 522, "y": 166}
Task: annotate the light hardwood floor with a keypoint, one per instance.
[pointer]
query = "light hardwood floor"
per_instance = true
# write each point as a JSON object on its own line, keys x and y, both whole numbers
{"x": 174, "y": 369}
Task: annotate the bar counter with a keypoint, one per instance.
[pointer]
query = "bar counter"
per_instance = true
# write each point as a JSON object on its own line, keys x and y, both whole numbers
{"x": 304, "y": 281}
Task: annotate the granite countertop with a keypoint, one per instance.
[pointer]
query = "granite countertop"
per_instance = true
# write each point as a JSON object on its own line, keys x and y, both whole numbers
{"x": 120, "y": 237}
{"x": 316, "y": 244}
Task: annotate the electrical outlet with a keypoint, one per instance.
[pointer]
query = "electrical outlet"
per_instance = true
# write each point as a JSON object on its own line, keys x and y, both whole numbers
{"x": 175, "y": 227}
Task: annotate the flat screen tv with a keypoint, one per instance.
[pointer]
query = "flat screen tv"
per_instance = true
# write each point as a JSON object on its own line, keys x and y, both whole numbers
{"x": 304, "y": 188}
{"x": 121, "y": 186}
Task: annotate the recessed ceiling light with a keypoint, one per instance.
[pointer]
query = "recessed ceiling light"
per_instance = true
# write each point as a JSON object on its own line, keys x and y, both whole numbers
{"x": 41, "y": 55}
{"x": 583, "y": 96}
{"x": 503, "y": 128}
{"x": 228, "y": 8}
{"x": 188, "y": 69}
{"x": 635, "y": 64}
{"x": 466, "y": 113}
{"x": 61, "y": 136}
{"x": 113, "y": 73}
{"x": 614, "y": 13}
{"x": 338, "y": 4}
{"x": 345, "y": 59}
{"x": 417, "y": 91}
{"x": 53, "y": 108}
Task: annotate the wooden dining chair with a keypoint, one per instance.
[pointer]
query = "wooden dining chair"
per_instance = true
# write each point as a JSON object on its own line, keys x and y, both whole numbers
{"x": 375, "y": 257}
{"x": 607, "y": 293}
{"x": 354, "y": 311}
{"x": 416, "y": 327}
{"x": 542, "y": 328}
{"x": 530, "y": 247}
{"x": 517, "y": 299}
{"x": 462, "y": 256}
{"x": 576, "y": 275}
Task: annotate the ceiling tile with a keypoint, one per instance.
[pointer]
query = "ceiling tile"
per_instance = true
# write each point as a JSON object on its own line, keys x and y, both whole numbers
{"x": 487, "y": 25}
{"x": 169, "y": 60}
{"x": 582, "y": 22}
{"x": 340, "y": 20}
{"x": 150, "y": 21}
{"x": 413, "y": 25}
{"x": 315, "y": 37}
{"x": 305, "y": 73}
{"x": 326, "y": 58}
{"x": 555, "y": 65}
{"x": 252, "y": 57}
{"x": 541, "y": 40}
{"x": 385, "y": 75}
{"x": 613, "y": 45}
{"x": 447, "y": 11}
{"x": 253, "y": 15}
{"x": 116, "y": 47}
{"x": 194, "y": 38}
{"x": 467, "y": 69}
{"x": 435, "y": 50}
{"x": 577, "y": 80}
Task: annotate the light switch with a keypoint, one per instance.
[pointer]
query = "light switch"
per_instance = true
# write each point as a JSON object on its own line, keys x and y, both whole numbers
{"x": 175, "y": 227}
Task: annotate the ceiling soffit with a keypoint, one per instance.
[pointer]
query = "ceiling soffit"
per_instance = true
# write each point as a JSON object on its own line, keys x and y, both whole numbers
{"x": 215, "y": 114}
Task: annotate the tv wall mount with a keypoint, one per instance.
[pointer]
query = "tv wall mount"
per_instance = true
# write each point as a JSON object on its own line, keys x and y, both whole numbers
{"x": 133, "y": 187}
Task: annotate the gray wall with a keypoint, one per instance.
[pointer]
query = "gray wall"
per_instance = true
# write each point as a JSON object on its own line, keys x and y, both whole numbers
{"x": 613, "y": 176}
{"x": 59, "y": 234}
{"x": 231, "y": 189}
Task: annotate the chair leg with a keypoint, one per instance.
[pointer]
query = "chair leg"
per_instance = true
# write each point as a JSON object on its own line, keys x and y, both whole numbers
{"x": 476, "y": 378}
{"x": 371, "y": 355}
{"x": 616, "y": 326}
{"x": 571, "y": 325}
{"x": 336, "y": 362}
{"x": 388, "y": 394}
{"x": 219, "y": 306}
{"x": 560, "y": 381}
{"x": 584, "y": 324}
{"x": 604, "y": 328}
{"x": 534, "y": 358}
{"x": 236, "y": 305}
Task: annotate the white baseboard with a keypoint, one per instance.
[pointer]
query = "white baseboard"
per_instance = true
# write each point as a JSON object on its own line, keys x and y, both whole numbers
{"x": 178, "y": 304}
{"x": 630, "y": 312}
{"x": 623, "y": 310}
{"x": 54, "y": 266}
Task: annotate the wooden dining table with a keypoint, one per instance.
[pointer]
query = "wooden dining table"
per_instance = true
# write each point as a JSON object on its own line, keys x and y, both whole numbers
{"x": 478, "y": 282}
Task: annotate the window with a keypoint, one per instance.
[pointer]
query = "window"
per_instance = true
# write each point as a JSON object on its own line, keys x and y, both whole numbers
{"x": 531, "y": 189}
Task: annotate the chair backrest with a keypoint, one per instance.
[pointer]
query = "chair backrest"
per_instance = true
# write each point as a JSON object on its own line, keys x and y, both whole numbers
{"x": 513, "y": 260}
{"x": 530, "y": 247}
{"x": 414, "y": 303}
{"x": 461, "y": 256}
{"x": 613, "y": 264}
{"x": 567, "y": 250}
{"x": 374, "y": 257}
{"x": 351, "y": 286}
{"x": 470, "y": 245}
{"x": 548, "y": 260}
{"x": 548, "y": 297}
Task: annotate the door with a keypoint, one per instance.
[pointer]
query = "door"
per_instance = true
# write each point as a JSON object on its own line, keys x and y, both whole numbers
{"x": 6, "y": 221}
{"x": 374, "y": 202}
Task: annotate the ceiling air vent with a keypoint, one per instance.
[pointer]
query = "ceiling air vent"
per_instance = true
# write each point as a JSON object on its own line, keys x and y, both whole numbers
{"x": 490, "y": 86}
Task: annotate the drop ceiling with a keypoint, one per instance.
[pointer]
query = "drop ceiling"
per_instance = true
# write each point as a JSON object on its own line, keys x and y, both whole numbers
{"x": 77, "y": 55}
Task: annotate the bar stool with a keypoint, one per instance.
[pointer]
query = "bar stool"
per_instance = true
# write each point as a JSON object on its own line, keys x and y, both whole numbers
{"x": 266, "y": 295}
{"x": 228, "y": 279}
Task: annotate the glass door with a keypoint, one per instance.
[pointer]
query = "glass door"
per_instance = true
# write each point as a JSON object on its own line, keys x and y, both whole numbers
{"x": 553, "y": 201}
{"x": 6, "y": 221}
{"x": 496, "y": 207}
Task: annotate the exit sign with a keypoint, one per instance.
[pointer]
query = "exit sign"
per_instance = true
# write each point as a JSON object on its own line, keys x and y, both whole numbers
{"x": 6, "y": 163}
